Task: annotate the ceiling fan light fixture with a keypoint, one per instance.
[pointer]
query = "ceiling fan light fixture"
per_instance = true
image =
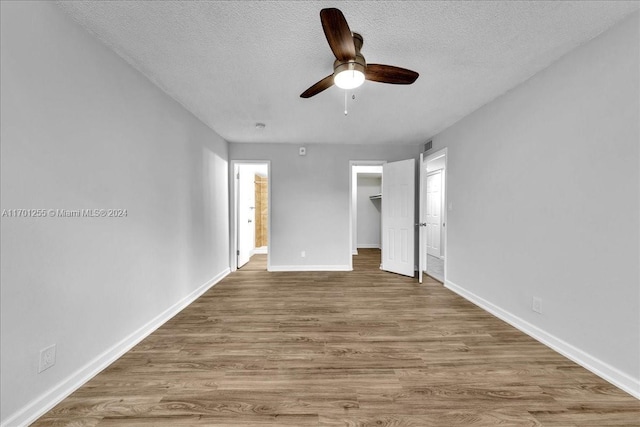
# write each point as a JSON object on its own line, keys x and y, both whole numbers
{"x": 348, "y": 75}
{"x": 349, "y": 79}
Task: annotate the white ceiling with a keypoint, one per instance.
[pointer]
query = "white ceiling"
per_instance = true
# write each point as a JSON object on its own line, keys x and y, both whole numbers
{"x": 236, "y": 63}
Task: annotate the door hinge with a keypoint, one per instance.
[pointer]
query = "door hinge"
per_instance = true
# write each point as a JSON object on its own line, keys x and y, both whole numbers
{"x": 237, "y": 252}
{"x": 238, "y": 175}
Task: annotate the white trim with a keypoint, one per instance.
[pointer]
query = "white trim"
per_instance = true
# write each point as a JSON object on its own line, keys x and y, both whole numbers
{"x": 46, "y": 401}
{"x": 368, "y": 245}
{"x": 261, "y": 250}
{"x": 354, "y": 252}
{"x": 336, "y": 267}
{"x": 602, "y": 369}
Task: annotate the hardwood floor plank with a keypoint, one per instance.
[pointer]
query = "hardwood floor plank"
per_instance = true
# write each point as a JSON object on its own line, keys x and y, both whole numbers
{"x": 360, "y": 348}
{"x": 435, "y": 419}
{"x": 68, "y": 421}
{"x": 231, "y": 419}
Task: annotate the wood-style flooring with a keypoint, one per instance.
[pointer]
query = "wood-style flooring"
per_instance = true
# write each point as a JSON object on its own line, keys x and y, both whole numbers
{"x": 361, "y": 348}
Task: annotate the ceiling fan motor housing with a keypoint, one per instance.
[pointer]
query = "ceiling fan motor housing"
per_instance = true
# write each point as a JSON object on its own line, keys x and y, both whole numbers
{"x": 358, "y": 64}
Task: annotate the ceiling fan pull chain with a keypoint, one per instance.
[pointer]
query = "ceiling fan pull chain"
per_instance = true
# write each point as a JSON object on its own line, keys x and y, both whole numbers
{"x": 345, "y": 102}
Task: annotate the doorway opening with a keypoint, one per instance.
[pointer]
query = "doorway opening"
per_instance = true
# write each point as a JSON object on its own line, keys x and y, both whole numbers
{"x": 365, "y": 208}
{"x": 251, "y": 215}
{"x": 434, "y": 214}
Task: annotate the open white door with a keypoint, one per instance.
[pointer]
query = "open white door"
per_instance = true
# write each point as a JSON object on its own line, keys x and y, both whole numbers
{"x": 422, "y": 265}
{"x": 398, "y": 216}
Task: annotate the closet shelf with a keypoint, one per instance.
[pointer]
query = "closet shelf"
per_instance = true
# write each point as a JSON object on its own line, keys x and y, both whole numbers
{"x": 376, "y": 197}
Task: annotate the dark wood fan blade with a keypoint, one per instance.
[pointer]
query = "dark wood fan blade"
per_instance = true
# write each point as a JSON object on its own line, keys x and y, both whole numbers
{"x": 323, "y": 84}
{"x": 338, "y": 34}
{"x": 390, "y": 74}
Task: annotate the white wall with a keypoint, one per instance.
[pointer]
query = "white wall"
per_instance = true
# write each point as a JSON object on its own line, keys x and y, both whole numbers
{"x": 544, "y": 184}
{"x": 368, "y": 235}
{"x": 81, "y": 129}
{"x": 310, "y": 199}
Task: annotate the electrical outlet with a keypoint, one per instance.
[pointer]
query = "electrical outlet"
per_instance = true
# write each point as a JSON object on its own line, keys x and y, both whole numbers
{"x": 537, "y": 305}
{"x": 303, "y": 254}
{"x": 47, "y": 358}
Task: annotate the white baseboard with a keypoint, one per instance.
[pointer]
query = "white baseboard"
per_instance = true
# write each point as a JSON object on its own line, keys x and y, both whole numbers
{"x": 261, "y": 250}
{"x": 354, "y": 252}
{"x": 602, "y": 369}
{"x": 40, "y": 405}
{"x": 368, "y": 245}
{"x": 310, "y": 268}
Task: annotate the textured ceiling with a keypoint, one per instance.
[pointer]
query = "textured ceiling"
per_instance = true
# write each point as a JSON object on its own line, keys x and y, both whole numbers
{"x": 236, "y": 63}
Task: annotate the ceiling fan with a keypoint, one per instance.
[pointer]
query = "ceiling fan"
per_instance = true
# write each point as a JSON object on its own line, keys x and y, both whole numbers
{"x": 350, "y": 69}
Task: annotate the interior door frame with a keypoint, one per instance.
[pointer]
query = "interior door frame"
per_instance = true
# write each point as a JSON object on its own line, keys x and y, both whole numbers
{"x": 233, "y": 210}
{"x": 443, "y": 152}
{"x": 352, "y": 214}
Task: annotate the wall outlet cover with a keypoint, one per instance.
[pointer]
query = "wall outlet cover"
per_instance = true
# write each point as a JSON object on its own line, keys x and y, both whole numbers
{"x": 47, "y": 358}
{"x": 303, "y": 151}
{"x": 537, "y": 305}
